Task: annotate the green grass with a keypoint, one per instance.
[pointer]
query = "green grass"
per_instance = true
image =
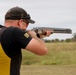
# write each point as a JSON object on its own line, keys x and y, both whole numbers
{"x": 58, "y": 54}
{"x": 60, "y": 60}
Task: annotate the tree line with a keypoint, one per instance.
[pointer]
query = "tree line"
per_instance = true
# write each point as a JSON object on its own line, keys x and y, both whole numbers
{"x": 73, "y": 39}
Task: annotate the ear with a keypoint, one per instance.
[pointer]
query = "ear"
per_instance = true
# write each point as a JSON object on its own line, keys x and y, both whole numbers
{"x": 19, "y": 22}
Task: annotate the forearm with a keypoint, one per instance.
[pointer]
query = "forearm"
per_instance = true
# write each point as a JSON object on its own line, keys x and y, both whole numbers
{"x": 40, "y": 40}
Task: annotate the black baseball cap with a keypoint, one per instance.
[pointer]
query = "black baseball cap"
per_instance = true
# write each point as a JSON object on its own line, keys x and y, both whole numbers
{"x": 17, "y": 13}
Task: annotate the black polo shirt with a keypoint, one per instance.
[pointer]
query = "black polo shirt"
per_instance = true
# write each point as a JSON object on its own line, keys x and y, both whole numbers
{"x": 13, "y": 40}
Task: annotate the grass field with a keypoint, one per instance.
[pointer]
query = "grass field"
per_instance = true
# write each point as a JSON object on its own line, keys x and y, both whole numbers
{"x": 58, "y": 54}
{"x": 60, "y": 60}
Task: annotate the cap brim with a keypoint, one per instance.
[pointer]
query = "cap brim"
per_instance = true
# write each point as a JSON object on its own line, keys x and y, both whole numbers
{"x": 31, "y": 21}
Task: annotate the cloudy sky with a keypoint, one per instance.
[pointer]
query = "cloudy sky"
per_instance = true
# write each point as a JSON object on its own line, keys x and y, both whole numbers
{"x": 46, "y": 13}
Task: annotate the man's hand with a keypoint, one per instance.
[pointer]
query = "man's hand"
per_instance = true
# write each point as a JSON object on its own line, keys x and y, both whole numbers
{"x": 31, "y": 33}
{"x": 46, "y": 33}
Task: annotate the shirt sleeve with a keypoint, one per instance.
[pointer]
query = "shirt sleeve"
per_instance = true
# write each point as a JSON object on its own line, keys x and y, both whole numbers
{"x": 21, "y": 37}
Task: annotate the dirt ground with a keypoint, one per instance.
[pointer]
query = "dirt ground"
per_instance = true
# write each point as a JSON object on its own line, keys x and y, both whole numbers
{"x": 49, "y": 70}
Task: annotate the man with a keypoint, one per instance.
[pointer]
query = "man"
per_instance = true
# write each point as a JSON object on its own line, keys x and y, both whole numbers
{"x": 14, "y": 37}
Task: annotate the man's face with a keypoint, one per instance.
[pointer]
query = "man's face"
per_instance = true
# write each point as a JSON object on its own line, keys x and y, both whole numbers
{"x": 24, "y": 24}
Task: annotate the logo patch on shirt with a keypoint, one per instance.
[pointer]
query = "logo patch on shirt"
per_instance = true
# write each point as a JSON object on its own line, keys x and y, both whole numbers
{"x": 26, "y": 35}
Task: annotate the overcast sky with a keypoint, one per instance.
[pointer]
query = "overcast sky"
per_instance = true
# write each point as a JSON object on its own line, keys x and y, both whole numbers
{"x": 46, "y": 13}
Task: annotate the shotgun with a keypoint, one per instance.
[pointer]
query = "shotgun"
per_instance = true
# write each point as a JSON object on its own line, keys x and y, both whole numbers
{"x": 40, "y": 30}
